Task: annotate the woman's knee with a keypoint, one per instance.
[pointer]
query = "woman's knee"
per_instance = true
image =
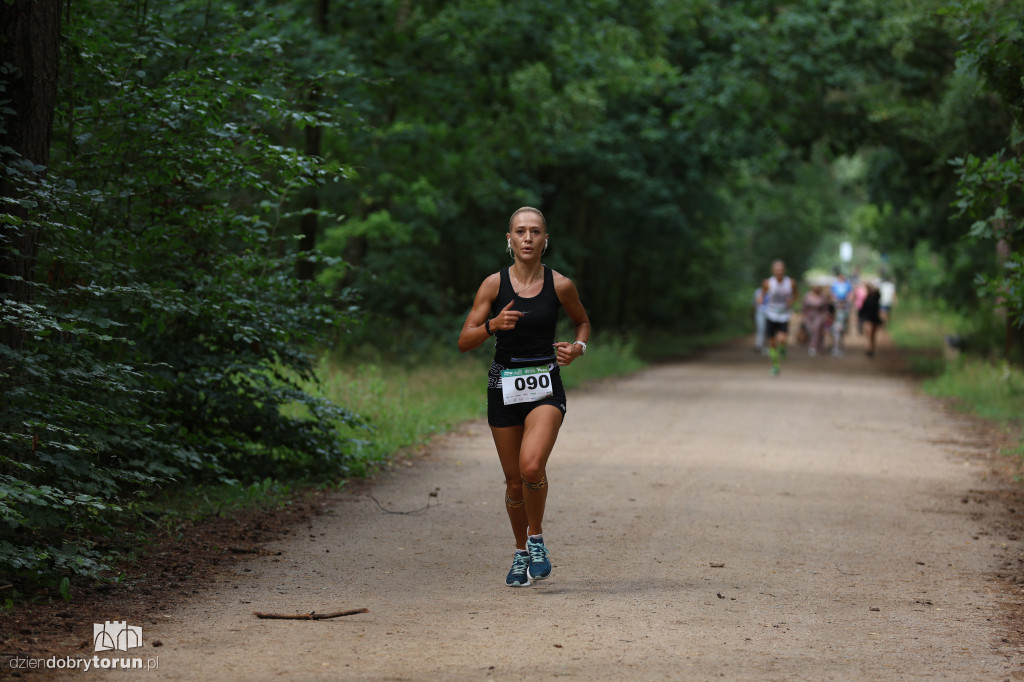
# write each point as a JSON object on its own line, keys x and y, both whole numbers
{"x": 514, "y": 488}
{"x": 532, "y": 472}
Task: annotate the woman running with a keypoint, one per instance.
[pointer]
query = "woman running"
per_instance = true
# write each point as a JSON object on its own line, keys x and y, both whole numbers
{"x": 525, "y": 399}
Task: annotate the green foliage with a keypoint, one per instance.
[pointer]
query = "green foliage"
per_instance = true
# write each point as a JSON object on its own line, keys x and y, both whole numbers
{"x": 927, "y": 276}
{"x": 925, "y": 111}
{"x": 608, "y": 355}
{"x": 675, "y": 148}
{"x": 960, "y": 144}
{"x": 992, "y": 191}
{"x": 991, "y": 390}
{"x": 405, "y": 404}
{"x": 172, "y": 509}
{"x": 990, "y": 188}
{"x": 166, "y": 330}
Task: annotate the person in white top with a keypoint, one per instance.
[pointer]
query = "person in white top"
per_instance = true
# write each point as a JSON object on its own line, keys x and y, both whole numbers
{"x": 886, "y": 298}
{"x": 780, "y": 291}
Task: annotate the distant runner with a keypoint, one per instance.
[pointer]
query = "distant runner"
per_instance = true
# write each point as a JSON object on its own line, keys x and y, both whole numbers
{"x": 781, "y": 292}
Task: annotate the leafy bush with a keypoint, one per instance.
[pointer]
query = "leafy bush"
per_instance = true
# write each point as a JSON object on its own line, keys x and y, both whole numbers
{"x": 166, "y": 328}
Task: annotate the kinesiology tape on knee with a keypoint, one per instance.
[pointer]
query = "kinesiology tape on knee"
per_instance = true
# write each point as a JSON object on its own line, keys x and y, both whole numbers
{"x": 539, "y": 485}
{"x": 513, "y": 504}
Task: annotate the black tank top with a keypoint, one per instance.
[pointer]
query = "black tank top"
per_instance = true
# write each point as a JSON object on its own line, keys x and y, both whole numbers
{"x": 534, "y": 335}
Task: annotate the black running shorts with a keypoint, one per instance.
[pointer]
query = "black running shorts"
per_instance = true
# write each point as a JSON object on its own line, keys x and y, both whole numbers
{"x": 772, "y": 328}
{"x": 501, "y": 415}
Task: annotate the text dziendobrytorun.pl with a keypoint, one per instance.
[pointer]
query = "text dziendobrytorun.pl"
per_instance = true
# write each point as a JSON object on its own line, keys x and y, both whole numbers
{"x": 86, "y": 664}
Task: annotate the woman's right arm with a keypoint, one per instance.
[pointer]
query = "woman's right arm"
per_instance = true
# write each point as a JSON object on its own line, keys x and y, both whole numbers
{"x": 473, "y": 332}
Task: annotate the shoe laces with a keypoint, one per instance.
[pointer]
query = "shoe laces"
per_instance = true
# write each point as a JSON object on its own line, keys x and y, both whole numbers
{"x": 537, "y": 551}
{"x": 520, "y": 563}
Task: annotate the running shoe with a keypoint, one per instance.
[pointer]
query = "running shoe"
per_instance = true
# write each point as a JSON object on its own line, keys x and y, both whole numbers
{"x": 540, "y": 566}
{"x": 519, "y": 576}
{"x": 775, "y": 370}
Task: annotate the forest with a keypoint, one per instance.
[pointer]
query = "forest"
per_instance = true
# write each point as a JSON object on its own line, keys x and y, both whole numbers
{"x": 201, "y": 199}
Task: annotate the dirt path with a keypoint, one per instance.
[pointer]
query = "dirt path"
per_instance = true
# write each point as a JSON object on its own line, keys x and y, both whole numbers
{"x": 706, "y": 521}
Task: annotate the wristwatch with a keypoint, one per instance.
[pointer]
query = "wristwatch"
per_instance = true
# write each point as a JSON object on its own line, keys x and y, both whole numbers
{"x": 487, "y": 326}
{"x": 581, "y": 344}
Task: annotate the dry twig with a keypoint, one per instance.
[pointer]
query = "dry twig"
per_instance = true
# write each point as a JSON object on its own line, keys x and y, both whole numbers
{"x": 309, "y": 616}
{"x": 411, "y": 511}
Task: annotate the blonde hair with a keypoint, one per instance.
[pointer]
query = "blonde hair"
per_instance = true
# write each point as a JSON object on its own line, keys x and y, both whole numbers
{"x": 527, "y": 208}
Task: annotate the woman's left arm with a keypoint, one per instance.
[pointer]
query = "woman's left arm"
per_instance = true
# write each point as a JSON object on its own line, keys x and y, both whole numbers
{"x": 569, "y": 297}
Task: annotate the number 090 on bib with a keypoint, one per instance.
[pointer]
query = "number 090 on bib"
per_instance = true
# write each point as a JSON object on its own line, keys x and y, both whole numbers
{"x": 525, "y": 385}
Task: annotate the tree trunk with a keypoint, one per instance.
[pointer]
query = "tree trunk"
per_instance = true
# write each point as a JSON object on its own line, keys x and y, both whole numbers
{"x": 580, "y": 235}
{"x": 309, "y": 223}
{"x": 30, "y": 44}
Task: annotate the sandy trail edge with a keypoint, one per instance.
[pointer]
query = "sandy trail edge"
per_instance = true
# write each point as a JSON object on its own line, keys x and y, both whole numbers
{"x": 833, "y": 495}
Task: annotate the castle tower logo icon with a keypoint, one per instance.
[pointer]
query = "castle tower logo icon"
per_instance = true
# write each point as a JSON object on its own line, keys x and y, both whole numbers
{"x": 116, "y": 636}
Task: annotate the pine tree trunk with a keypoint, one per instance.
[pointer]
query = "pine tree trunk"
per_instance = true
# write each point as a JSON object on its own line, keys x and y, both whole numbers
{"x": 309, "y": 223}
{"x": 30, "y": 48}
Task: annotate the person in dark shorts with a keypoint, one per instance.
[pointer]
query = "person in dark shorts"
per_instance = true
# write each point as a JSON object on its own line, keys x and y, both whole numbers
{"x": 871, "y": 316}
{"x": 780, "y": 292}
{"x": 526, "y": 404}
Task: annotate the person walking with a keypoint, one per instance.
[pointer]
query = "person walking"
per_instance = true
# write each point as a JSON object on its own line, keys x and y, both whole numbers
{"x": 814, "y": 310}
{"x": 860, "y": 292}
{"x": 760, "y": 302}
{"x": 886, "y": 298}
{"x": 526, "y": 404}
{"x": 781, "y": 292}
{"x": 840, "y": 292}
{"x": 871, "y": 316}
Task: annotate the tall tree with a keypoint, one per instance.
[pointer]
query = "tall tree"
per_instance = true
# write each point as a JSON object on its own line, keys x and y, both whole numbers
{"x": 167, "y": 336}
{"x": 309, "y": 223}
{"x": 30, "y": 44}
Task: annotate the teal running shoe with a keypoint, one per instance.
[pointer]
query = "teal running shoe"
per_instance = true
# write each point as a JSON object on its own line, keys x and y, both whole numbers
{"x": 540, "y": 566}
{"x": 519, "y": 576}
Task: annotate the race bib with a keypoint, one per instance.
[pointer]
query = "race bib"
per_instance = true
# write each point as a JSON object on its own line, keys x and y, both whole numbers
{"x": 526, "y": 385}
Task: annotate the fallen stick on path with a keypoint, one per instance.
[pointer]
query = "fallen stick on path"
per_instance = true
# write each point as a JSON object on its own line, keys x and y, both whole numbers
{"x": 309, "y": 616}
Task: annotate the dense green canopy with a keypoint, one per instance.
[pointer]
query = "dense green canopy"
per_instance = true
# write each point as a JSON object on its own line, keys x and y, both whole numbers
{"x": 197, "y": 195}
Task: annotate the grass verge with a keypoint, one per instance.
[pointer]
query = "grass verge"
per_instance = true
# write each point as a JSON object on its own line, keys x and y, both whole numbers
{"x": 171, "y": 510}
{"x": 406, "y": 404}
{"x": 991, "y": 390}
{"x": 658, "y": 346}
